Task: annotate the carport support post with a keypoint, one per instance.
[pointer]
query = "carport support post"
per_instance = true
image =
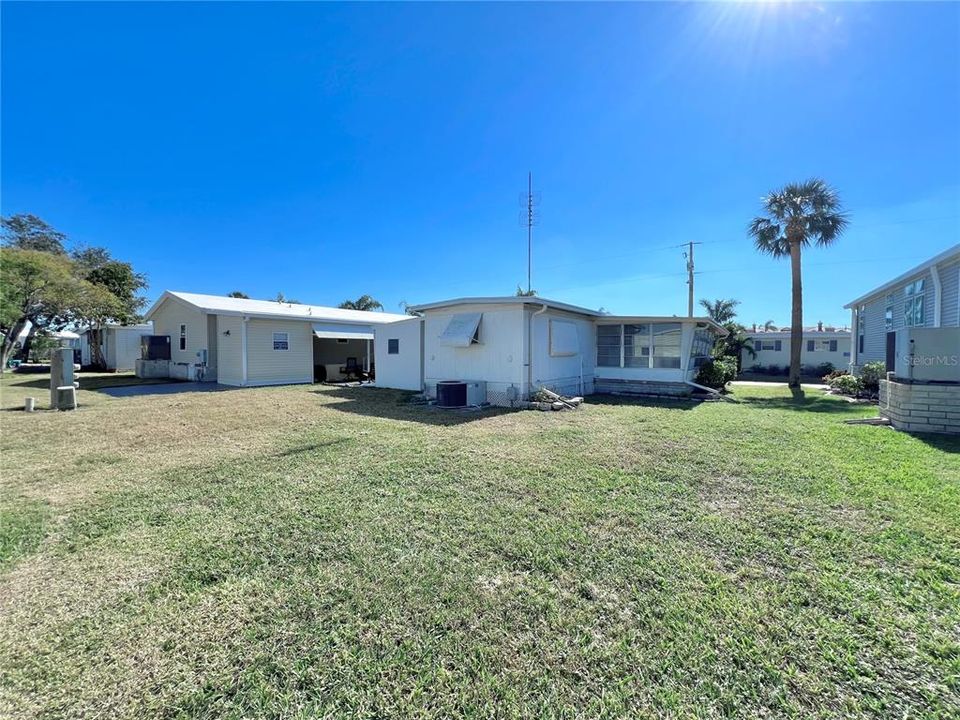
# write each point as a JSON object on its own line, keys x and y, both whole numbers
{"x": 61, "y": 373}
{"x": 367, "y": 361}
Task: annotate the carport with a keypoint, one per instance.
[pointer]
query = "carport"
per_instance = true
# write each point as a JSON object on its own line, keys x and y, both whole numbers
{"x": 337, "y": 346}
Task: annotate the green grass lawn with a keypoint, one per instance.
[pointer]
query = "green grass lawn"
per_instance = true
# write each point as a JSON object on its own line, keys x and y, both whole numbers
{"x": 312, "y": 551}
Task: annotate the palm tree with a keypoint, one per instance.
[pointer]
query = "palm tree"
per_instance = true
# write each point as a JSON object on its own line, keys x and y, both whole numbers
{"x": 721, "y": 311}
{"x": 736, "y": 343}
{"x": 364, "y": 302}
{"x": 796, "y": 216}
{"x": 769, "y": 325}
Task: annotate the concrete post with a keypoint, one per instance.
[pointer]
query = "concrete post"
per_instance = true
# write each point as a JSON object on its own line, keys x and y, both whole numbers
{"x": 61, "y": 373}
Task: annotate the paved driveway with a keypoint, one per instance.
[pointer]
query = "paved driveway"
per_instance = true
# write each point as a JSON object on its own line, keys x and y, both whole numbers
{"x": 161, "y": 389}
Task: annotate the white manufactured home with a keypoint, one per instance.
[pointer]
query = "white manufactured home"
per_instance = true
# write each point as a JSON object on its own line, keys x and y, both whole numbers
{"x": 243, "y": 342}
{"x": 120, "y": 345}
{"x": 818, "y": 347}
{"x": 509, "y": 347}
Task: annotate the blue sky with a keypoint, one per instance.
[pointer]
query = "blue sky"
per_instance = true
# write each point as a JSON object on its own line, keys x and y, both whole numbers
{"x": 327, "y": 151}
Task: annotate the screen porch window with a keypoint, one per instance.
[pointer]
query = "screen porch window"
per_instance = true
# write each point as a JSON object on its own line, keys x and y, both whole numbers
{"x": 281, "y": 341}
{"x": 913, "y": 305}
{"x": 666, "y": 345}
{"x": 636, "y": 346}
{"x": 702, "y": 347}
{"x": 608, "y": 345}
{"x": 642, "y": 345}
{"x": 183, "y": 337}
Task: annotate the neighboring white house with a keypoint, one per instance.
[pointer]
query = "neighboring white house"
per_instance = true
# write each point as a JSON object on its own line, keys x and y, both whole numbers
{"x": 120, "y": 345}
{"x": 927, "y": 296}
{"x": 243, "y": 342}
{"x": 515, "y": 345}
{"x": 772, "y": 347}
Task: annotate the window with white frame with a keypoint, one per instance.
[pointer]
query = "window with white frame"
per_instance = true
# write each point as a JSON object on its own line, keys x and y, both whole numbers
{"x": 775, "y": 345}
{"x": 913, "y": 305}
{"x": 393, "y": 346}
{"x": 183, "y": 337}
{"x": 608, "y": 345}
{"x": 281, "y": 341}
{"x": 888, "y": 313}
{"x": 821, "y": 345}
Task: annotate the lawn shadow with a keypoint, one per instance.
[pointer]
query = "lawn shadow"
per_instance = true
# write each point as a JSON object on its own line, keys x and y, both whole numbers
{"x": 940, "y": 441}
{"x": 668, "y": 403}
{"x": 799, "y": 399}
{"x": 398, "y": 405}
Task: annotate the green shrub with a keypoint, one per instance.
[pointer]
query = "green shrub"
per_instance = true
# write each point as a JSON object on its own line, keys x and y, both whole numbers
{"x": 847, "y": 384}
{"x": 833, "y": 374}
{"x": 823, "y": 369}
{"x": 871, "y": 374}
{"x": 718, "y": 372}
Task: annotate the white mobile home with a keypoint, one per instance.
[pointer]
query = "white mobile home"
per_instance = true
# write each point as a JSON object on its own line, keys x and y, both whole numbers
{"x": 927, "y": 296}
{"x": 772, "y": 348}
{"x": 242, "y": 342}
{"x": 515, "y": 345}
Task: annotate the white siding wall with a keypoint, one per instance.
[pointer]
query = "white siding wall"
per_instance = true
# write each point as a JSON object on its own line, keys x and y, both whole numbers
{"x": 167, "y": 320}
{"x": 124, "y": 347}
{"x": 402, "y": 371}
{"x": 563, "y": 374}
{"x": 229, "y": 350}
{"x": 950, "y": 280}
{"x": 498, "y": 358}
{"x": 266, "y": 366}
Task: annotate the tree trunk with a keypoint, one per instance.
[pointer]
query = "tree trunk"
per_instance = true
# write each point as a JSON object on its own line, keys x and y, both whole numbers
{"x": 796, "y": 320}
{"x": 9, "y": 340}
{"x": 95, "y": 339}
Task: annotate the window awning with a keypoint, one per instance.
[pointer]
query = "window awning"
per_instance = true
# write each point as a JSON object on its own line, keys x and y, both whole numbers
{"x": 461, "y": 330}
{"x": 342, "y": 331}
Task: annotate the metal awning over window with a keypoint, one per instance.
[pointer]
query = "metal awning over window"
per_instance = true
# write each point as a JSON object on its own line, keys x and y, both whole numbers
{"x": 461, "y": 330}
{"x": 347, "y": 331}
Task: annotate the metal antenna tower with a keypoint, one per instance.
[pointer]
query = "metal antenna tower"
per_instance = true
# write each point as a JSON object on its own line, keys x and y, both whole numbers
{"x": 530, "y": 216}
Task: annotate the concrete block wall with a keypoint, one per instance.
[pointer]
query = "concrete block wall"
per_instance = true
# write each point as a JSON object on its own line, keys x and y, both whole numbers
{"x": 921, "y": 408}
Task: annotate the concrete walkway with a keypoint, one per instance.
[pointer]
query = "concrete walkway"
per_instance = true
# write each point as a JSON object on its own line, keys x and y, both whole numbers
{"x": 761, "y": 383}
{"x": 161, "y": 389}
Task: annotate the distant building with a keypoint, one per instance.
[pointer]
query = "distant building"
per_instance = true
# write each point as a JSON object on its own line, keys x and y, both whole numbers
{"x": 820, "y": 345}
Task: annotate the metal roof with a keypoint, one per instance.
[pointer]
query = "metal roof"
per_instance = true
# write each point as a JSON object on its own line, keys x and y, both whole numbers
{"x": 945, "y": 255}
{"x": 222, "y": 305}
{"x": 506, "y": 300}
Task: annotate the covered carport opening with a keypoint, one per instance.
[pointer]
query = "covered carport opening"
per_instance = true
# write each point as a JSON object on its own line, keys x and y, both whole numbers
{"x": 342, "y": 351}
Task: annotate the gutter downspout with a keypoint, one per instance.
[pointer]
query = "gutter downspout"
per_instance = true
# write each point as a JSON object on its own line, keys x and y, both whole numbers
{"x": 937, "y": 295}
{"x": 543, "y": 309}
{"x": 243, "y": 349}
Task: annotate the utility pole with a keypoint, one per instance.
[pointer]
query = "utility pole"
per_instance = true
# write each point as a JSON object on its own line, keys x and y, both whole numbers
{"x": 689, "y": 256}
